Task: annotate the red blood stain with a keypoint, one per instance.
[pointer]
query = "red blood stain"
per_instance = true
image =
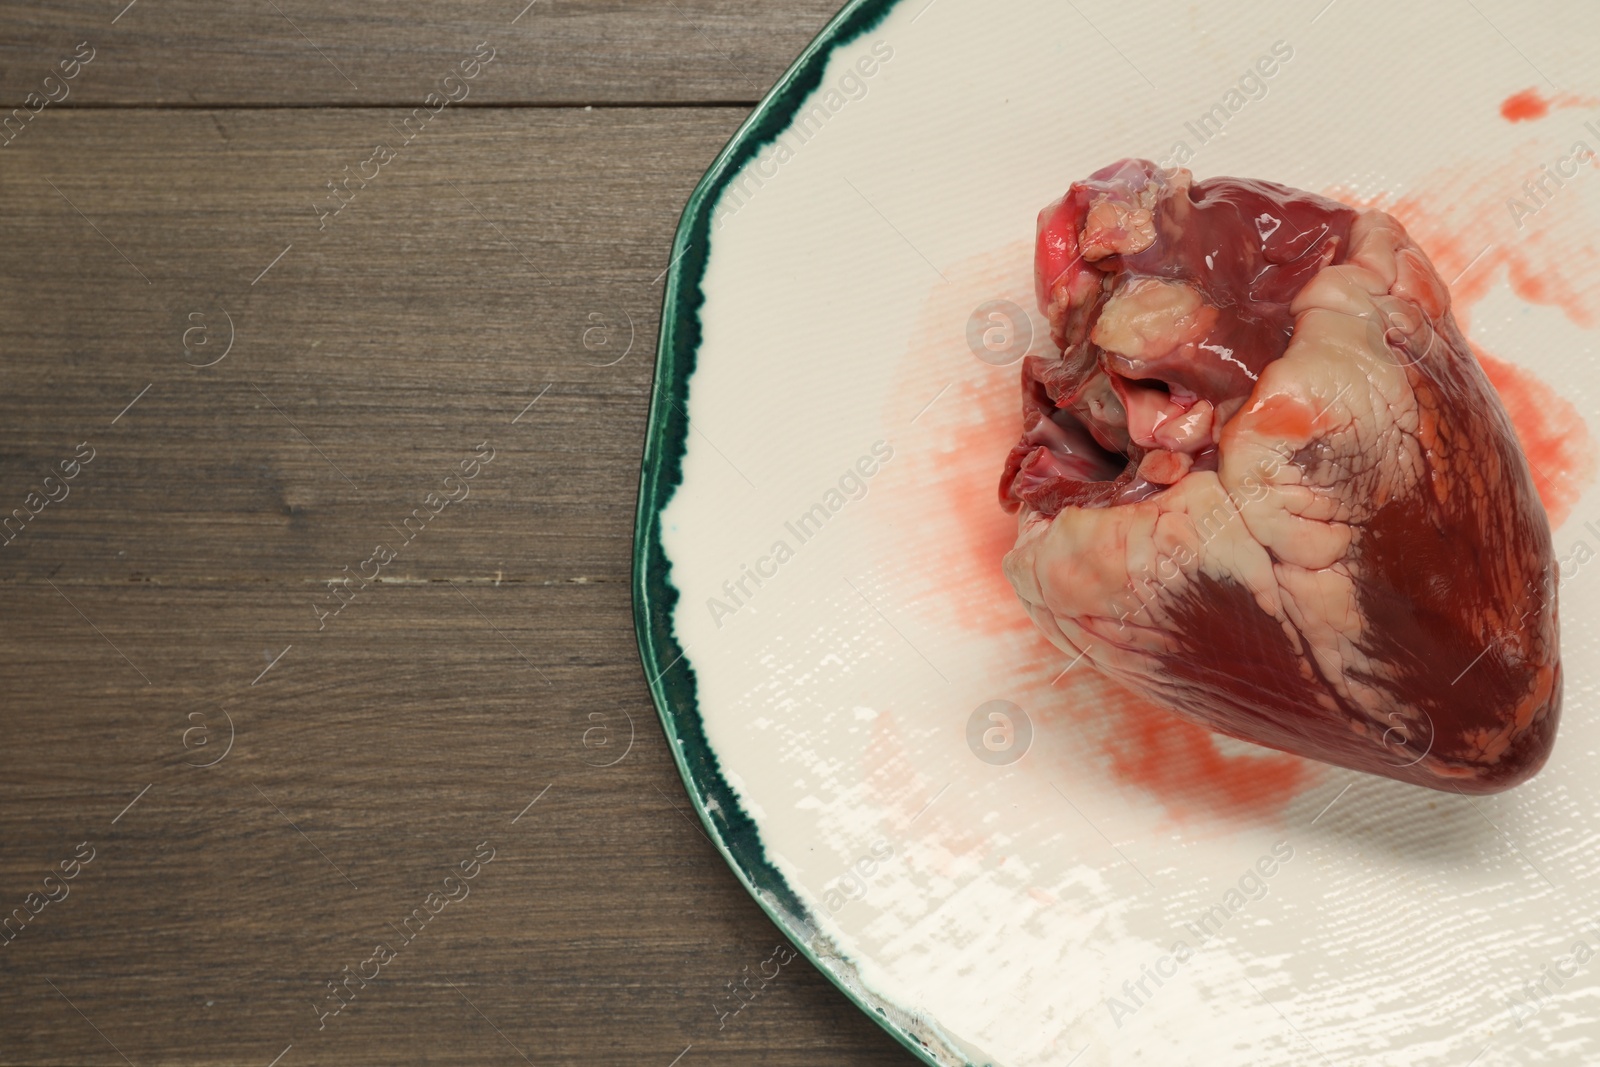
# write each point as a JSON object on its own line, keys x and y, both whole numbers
{"x": 1183, "y": 765}
{"x": 1553, "y": 435}
{"x": 1529, "y": 105}
{"x": 1523, "y": 106}
{"x": 945, "y": 464}
{"x": 969, "y": 480}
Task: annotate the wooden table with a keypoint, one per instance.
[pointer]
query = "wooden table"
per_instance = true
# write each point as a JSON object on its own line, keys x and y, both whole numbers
{"x": 218, "y": 394}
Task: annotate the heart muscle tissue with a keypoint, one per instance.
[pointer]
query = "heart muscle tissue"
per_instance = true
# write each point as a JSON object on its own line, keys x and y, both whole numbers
{"x": 1263, "y": 480}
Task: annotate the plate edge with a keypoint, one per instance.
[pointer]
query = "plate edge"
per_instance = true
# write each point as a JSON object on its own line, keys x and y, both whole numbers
{"x": 669, "y": 676}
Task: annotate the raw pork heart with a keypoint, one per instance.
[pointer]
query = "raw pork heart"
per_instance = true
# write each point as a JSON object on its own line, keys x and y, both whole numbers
{"x": 1266, "y": 483}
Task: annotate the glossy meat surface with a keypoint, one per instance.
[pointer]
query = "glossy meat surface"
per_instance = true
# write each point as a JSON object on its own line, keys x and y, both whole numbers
{"x": 1265, "y": 482}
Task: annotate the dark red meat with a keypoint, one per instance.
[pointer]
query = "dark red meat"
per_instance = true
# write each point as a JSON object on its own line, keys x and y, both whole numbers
{"x": 1265, "y": 481}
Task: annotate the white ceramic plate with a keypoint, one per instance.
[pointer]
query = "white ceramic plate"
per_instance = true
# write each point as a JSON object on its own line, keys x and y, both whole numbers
{"x": 819, "y": 598}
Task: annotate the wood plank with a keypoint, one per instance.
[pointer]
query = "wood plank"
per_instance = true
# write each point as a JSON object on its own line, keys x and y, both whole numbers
{"x": 192, "y": 52}
{"x": 421, "y": 322}
{"x": 173, "y": 591}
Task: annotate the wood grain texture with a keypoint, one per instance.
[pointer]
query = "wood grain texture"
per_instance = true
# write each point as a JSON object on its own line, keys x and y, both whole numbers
{"x": 305, "y": 53}
{"x": 177, "y": 588}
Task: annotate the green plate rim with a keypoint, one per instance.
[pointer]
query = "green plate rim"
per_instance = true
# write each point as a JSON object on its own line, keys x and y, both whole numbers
{"x": 671, "y": 678}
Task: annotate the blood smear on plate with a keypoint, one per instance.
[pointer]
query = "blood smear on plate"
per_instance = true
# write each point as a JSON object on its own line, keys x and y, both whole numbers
{"x": 1529, "y": 105}
{"x": 1520, "y": 107}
